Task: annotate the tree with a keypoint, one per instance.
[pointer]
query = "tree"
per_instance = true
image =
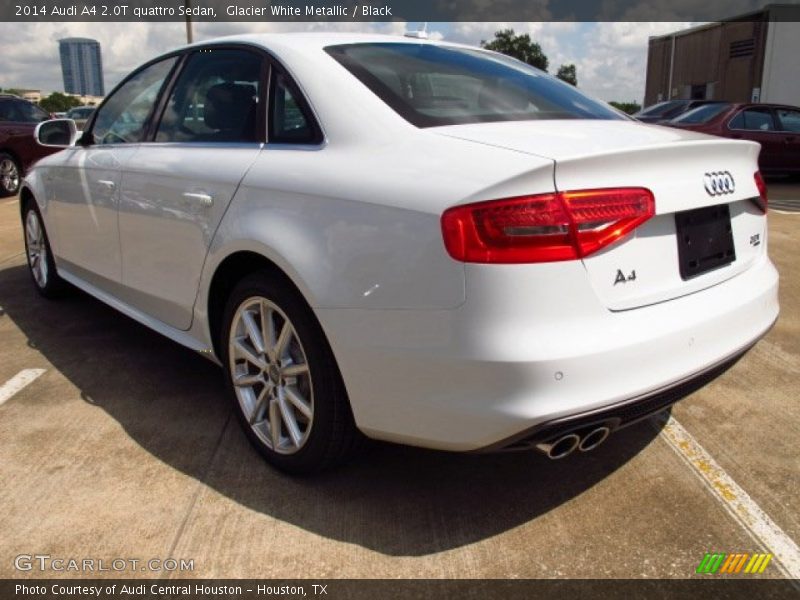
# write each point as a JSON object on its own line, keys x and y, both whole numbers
{"x": 12, "y": 91}
{"x": 521, "y": 47}
{"x": 568, "y": 73}
{"x": 58, "y": 102}
{"x": 627, "y": 107}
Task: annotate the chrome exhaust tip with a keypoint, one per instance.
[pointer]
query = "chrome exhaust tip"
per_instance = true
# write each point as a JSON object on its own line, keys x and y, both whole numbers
{"x": 561, "y": 447}
{"x": 593, "y": 439}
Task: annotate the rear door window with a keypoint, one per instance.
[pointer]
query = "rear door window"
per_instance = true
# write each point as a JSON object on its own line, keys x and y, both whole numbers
{"x": 215, "y": 99}
{"x": 790, "y": 119}
{"x": 754, "y": 119}
{"x": 290, "y": 121}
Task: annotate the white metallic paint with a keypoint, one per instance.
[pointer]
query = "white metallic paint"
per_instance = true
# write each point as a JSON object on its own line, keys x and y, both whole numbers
{"x": 433, "y": 352}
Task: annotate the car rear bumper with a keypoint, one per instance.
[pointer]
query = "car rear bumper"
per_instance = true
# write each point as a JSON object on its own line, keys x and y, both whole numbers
{"x": 521, "y": 356}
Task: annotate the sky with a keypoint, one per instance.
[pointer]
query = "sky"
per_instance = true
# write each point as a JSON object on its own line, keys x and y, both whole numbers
{"x": 611, "y": 58}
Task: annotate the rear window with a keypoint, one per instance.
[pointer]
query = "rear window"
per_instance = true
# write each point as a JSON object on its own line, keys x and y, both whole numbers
{"x": 702, "y": 114}
{"x": 432, "y": 85}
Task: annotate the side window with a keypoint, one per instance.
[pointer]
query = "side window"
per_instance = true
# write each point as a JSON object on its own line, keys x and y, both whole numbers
{"x": 289, "y": 120}
{"x": 215, "y": 99}
{"x": 21, "y": 111}
{"x": 5, "y": 110}
{"x": 122, "y": 119}
{"x": 754, "y": 119}
{"x": 790, "y": 119}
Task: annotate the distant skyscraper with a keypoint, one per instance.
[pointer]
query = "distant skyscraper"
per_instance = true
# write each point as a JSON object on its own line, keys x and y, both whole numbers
{"x": 81, "y": 66}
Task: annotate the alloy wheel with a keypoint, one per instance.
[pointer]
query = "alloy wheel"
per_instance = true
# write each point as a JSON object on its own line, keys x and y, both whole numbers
{"x": 271, "y": 376}
{"x": 36, "y": 248}
{"x": 9, "y": 176}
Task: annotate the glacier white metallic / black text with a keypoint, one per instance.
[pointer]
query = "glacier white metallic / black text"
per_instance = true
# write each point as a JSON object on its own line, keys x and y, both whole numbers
{"x": 407, "y": 240}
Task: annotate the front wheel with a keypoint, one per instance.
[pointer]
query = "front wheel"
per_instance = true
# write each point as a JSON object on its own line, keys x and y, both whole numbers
{"x": 40, "y": 259}
{"x": 287, "y": 390}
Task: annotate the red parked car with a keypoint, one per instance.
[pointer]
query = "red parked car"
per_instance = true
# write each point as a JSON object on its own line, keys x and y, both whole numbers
{"x": 18, "y": 148}
{"x": 776, "y": 127}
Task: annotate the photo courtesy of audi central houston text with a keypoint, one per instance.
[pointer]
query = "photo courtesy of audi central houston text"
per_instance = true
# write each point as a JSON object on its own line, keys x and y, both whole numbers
{"x": 499, "y": 245}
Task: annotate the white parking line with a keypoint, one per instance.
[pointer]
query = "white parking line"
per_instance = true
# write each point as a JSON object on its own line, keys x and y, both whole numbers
{"x": 17, "y": 383}
{"x": 738, "y": 503}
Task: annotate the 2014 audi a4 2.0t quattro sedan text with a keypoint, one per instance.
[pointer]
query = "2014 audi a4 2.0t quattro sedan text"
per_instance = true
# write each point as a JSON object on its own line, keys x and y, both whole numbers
{"x": 407, "y": 240}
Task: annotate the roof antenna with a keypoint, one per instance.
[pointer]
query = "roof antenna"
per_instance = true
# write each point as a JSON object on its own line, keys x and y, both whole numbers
{"x": 420, "y": 34}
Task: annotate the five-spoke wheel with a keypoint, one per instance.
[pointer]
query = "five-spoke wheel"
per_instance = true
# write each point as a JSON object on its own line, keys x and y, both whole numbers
{"x": 288, "y": 392}
{"x": 40, "y": 258}
{"x": 9, "y": 175}
{"x": 271, "y": 376}
{"x": 37, "y": 248}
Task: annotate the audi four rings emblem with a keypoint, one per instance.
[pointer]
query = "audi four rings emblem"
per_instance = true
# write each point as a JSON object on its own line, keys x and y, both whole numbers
{"x": 719, "y": 183}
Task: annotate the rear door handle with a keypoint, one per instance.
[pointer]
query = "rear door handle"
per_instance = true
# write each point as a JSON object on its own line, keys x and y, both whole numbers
{"x": 109, "y": 185}
{"x": 199, "y": 198}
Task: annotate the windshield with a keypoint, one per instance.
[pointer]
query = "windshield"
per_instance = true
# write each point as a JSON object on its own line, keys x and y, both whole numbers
{"x": 432, "y": 85}
{"x": 660, "y": 109}
{"x": 80, "y": 113}
{"x": 702, "y": 114}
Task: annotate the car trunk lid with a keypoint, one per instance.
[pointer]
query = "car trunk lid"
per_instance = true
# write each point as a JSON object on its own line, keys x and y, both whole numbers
{"x": 645, "y": 267}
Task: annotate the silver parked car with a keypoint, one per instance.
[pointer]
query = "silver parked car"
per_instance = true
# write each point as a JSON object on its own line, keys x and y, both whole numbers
{"x": 407, "y": 240}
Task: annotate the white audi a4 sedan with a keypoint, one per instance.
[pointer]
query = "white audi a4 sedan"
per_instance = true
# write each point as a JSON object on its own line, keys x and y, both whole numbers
{"x": 406, "y": 240}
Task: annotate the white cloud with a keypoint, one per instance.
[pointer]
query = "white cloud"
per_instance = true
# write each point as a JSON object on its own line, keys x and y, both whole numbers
{"x": 610, "y": 57}
{"x": 31, "y": 59}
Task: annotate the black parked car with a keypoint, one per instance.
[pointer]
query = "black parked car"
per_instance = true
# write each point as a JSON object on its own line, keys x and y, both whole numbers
{"x": 669, "y": 109}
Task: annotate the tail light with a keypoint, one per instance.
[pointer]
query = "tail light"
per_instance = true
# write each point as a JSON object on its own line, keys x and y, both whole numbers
{"x": 762, "y": 200}
{"x": 546, "y": 227}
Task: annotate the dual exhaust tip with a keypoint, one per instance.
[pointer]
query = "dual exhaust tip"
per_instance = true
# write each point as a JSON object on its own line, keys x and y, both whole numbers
{"x": 567, "y": 444}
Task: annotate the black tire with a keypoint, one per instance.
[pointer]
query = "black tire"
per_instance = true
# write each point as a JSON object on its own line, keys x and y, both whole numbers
{"x": 10, "y": 175}
{"x": 332, "y": 436}
{"x": 51, "y": 286}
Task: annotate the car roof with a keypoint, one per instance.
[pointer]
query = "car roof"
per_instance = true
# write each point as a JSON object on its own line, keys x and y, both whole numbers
{"x": 310, "y": 43}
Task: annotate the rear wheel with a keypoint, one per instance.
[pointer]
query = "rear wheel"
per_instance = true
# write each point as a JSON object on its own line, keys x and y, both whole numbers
{"x": 40, "y": 258}
{"x": 9, "y": 175}
{"x": 287, "y": 390}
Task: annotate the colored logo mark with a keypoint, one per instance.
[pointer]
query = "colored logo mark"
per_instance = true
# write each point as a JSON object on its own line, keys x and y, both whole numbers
{"x": 719, "y": 562}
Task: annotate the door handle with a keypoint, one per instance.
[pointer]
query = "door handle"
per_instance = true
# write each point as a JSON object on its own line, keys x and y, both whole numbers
{"x": 109, "y": 185}
{"x": 199, "y": 197}
{"x": 789, "y": 139}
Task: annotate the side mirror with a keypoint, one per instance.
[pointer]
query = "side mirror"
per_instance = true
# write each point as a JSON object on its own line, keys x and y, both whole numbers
{"x": 58, "y": 133}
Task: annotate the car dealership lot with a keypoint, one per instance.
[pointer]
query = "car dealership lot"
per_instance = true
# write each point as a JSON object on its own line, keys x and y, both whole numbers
{"x": 125, "y": 447}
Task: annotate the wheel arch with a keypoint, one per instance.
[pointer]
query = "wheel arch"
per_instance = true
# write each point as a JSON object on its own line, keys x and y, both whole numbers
{"x": 16, "y": 157}
{"x": 228, "y": 272}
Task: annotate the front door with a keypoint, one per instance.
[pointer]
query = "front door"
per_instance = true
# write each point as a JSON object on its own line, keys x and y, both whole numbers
{"x": 88, "y": 181}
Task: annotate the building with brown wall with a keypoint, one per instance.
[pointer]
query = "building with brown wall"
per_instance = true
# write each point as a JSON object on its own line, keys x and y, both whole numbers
{"x": 751, "y": 58}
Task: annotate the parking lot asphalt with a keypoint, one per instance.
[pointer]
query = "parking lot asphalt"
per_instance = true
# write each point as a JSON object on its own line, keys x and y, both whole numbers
{"x": 125, "y": 447}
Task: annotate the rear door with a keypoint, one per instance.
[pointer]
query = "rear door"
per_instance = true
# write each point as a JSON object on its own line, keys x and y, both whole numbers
{"x": 758, "y": 124}
{"x": 176, "y": 188}
{"x": 789, "y": 124}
